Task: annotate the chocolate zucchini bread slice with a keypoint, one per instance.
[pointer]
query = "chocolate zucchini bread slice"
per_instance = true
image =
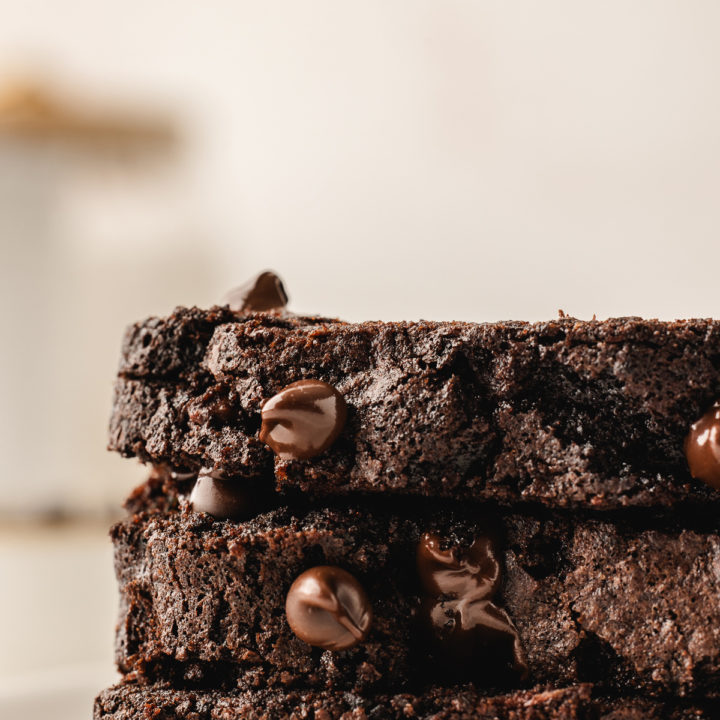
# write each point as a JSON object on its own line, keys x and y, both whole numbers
{"x": 564, "y": 413}
{"x": 131, "y": 701}
{"x": 417, "y": 520}
{"x": 495, "y": 597}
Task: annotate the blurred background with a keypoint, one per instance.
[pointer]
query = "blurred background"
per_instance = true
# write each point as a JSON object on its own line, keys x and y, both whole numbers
{"x": 406, "y": 159}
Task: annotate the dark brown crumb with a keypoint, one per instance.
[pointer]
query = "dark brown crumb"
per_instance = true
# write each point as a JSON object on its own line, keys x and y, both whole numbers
{"x": 133, "y": 702}
{"x": 610, "y": 603}
{"x": 564, "y": 413}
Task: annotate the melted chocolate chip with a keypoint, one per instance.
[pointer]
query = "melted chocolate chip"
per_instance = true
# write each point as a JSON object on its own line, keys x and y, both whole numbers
{"x": 223, "y": 499}
{"x": 466, "y": 626}
{"x": 303, "y": 420}
{"x": 702, "y": 447}
{"x": 264, "y": 293}
{"x": 328, "y": 608}
{"x": 217, "y": 406}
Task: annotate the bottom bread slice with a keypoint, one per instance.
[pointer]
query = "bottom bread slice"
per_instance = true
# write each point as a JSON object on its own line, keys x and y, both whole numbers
{"x": 130, "y": 701}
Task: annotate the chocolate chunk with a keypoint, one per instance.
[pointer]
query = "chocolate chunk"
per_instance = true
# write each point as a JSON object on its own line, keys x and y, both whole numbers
{"x": 221, "y": 498}
{"x": 328, "y": 608}
{"x": 458, "y": 609}
{"x": 263, "y": 293}
{"x": 303, "y": 420}
{"x": 702, "y": 447}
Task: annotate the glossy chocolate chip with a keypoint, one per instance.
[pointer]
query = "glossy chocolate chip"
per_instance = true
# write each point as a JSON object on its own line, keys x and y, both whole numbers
{"x": 328, "y": 608}
{"x": 702, "y": 447}
{"x": 221, "y": 498}
{"x": 303, "y": 420}
{"x": 458, "y": 609}
{"x": 261, "y": 294}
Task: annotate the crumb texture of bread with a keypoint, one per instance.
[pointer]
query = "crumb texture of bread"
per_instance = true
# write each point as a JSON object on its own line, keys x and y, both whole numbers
{"x": 628, "y": 608}
{"x": 564, "y": 413}
{"x": 555, "y": 446}
{"x": 136, "y": 702}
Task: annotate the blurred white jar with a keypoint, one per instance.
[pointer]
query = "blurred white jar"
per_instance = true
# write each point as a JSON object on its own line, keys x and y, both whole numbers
{"x": 93, "y": 236}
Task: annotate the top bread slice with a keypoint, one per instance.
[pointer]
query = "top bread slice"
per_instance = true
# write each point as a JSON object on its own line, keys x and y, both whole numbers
{"x": 565, "y": 413}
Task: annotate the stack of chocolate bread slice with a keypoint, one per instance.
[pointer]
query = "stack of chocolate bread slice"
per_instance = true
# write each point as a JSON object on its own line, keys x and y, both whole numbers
{"x": 417, "y": 520}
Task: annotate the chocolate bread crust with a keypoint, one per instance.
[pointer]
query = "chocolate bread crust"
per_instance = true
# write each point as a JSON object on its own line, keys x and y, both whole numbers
{"x": 131, "y": 702}
{"x": 202, "y": 601}
{"x": 564, "y": 413}
{"x": 135, "y": 702}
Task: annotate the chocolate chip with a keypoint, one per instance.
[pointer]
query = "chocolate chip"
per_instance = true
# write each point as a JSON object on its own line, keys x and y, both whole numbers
{"x": 328, "y": 608}
{"x": 263, "y": 293}
{"x": 218, "y": 405}
{"x": 223, "y": 499}
{"x": 466, "y": 626}
{"x": 702, "y": 447}
{"x": 303, "y": 420}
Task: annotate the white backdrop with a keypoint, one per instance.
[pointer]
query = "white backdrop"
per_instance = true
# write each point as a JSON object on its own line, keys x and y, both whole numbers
{"x": 392, "y": 159}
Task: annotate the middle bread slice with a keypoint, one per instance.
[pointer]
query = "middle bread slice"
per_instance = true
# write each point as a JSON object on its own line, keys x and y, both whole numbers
{"x": 629, "y": 604}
